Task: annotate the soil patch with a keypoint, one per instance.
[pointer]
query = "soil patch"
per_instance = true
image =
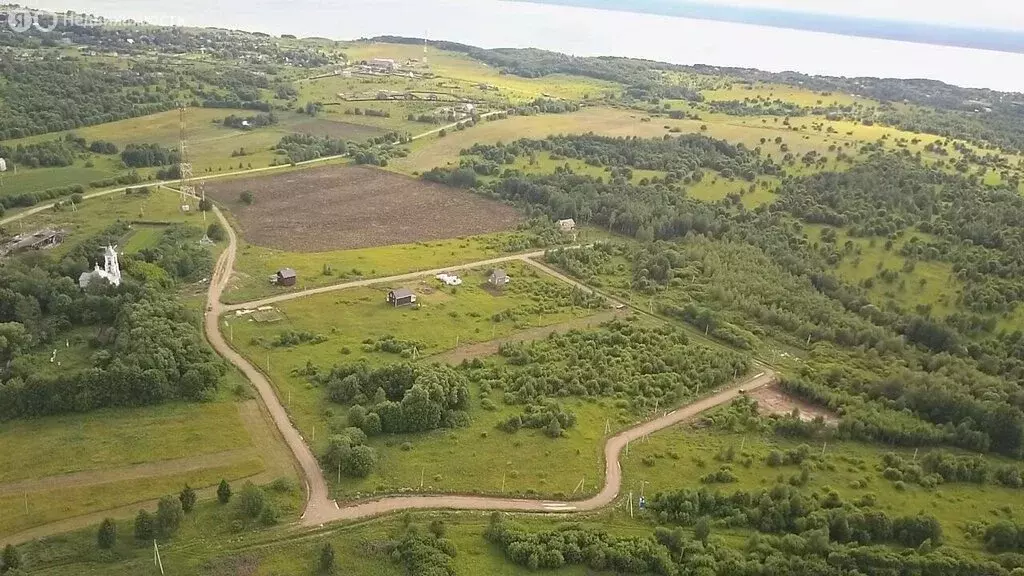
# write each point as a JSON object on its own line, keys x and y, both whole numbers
{"x": 345, "y": 207}
{"x": 771, "y": 400}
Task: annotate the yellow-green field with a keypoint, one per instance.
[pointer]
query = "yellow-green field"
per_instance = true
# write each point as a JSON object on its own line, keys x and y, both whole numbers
{"x": 931, "y": 284}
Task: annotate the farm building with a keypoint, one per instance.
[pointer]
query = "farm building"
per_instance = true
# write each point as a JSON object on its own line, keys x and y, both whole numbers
{"x": 286, "y": 277}
{"x": 401, "y": 297}
{"x": 498, "y": 278}
{"x": 449, "y": 279}
{"x": 567, "y": 225}
{"x": 37, "y": 240}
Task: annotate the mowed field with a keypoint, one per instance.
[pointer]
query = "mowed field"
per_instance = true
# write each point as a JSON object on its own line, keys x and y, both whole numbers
{"x": 338, "y": 207}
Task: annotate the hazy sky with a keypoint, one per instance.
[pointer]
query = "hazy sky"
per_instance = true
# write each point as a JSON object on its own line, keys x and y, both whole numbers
{"x": 1007, "y": 14}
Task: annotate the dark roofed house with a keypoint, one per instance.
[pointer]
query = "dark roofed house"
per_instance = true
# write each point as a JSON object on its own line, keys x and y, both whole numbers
{"x": 401, "y": 297}
{"x": 286, "y": 277}
{"x": 498, "y": 278}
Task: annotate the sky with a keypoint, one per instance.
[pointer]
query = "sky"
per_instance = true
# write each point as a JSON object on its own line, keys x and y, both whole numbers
{"x": 1005, "y": 14}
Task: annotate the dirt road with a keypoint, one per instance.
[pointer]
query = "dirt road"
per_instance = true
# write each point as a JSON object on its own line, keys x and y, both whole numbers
{"x": 382, "y": 280}
{"x": 318, "y": 504}
{"x": 612, "y": 471}
{"x": 320, "y": 509}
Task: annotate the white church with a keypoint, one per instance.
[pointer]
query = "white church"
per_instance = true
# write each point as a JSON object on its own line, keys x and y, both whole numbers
{"x": 111, "y": 271}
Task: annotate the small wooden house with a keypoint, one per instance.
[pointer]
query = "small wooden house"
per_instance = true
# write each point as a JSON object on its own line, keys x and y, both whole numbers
{"x": 498, "y": 278}
{"x": 401, "y": 297}
{"x": 286, "y": 277}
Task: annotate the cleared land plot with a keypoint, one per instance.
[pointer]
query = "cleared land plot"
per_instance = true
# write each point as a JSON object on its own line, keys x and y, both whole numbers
{"x": 771, "y": 400}
{"x": 254, "y": 264}
{"x": 338, "y": 207}
{"x": 447, "y": 318}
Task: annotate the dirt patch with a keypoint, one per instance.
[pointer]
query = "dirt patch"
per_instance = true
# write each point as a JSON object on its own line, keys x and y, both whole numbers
{"x": 771, "y": 400}
{"x": 334, "y": 129}
{"x": 490, "y": 347}
{"x": 345, "y": 207}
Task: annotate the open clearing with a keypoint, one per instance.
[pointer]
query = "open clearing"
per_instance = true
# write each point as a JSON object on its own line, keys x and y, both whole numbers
{"x": 338, "y": 207}
{"x": 771, "y": 400}
{"x": 491, "y": 347}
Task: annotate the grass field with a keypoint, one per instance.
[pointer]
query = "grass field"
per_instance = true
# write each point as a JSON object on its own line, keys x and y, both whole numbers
{"x": 95, "y": 214}
{"x": 435, "y": 151}
{"x": 45, "y": 507}
{"x": 255, "y": 263}
{"x": 740, "y": 91}
{"x": 114, "y": 438}
{"x": 679, "y": 456}
{"x": 446, "y": 319}
{"x": 931, "y": 284}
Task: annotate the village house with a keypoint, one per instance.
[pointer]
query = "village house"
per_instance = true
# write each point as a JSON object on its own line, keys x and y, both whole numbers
{"x": 567, "y": 225}
{"x": 498, "y": 278}
{"x": 286, "y": 277}
{"x": 401, "y": 297}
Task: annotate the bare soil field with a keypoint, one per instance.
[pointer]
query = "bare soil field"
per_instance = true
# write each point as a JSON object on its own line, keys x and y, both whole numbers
{"x": 344, "y": 207}
{"x": 336, "y": 129}
{"x": 771, "y": 400}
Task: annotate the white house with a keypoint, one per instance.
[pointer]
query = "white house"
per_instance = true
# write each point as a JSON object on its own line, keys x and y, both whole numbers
{"x": 111, "y": 271}
{"x": 567, "y": 225}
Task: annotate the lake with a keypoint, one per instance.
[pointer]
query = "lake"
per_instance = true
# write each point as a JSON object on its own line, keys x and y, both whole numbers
{"x": 583, "y": 32}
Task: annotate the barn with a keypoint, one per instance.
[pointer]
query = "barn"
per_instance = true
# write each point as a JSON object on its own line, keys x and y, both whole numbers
{"x": 401, "y": 297}
{"x": 286, "y": 277}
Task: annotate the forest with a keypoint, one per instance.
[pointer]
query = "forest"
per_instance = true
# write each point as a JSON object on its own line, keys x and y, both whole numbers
{"x": 145, "y": 347}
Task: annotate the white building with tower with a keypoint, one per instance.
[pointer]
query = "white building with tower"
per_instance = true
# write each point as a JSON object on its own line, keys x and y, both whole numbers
{"x": 111, "y": 271}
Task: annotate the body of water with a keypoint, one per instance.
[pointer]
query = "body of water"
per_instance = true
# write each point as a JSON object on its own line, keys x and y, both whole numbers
{"x": 583, "y": 32}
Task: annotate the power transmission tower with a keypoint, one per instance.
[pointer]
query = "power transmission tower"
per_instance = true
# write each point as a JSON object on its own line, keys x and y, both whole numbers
{"x": 184, "y": 166}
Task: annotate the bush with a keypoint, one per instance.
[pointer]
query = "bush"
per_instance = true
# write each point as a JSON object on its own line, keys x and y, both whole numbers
{"x": 251, "y": 500}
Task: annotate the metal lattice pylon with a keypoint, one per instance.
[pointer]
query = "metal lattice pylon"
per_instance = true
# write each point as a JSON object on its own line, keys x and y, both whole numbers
{"x": 184, "y": 166}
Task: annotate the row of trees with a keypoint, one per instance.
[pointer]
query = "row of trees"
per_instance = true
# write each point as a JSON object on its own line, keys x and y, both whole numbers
{"x": 674, "y": 552}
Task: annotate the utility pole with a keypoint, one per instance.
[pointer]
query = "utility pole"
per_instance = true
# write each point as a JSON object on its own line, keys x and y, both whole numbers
{"x": 156, "y": 557}
{"x": 423, "y": 472}
{"x": 503, "y": 482}
{"x": 630, "y": 503}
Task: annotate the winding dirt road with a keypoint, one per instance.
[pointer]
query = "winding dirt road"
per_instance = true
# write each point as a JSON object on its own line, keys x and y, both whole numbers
{"x": 320, "y": 509}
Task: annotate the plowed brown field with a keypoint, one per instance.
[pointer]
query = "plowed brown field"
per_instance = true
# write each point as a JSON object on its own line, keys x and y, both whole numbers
{"x": 342, "y": 207}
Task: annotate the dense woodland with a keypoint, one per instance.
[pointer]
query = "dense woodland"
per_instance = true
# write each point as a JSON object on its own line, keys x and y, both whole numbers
{"x": 144, "y": 346}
